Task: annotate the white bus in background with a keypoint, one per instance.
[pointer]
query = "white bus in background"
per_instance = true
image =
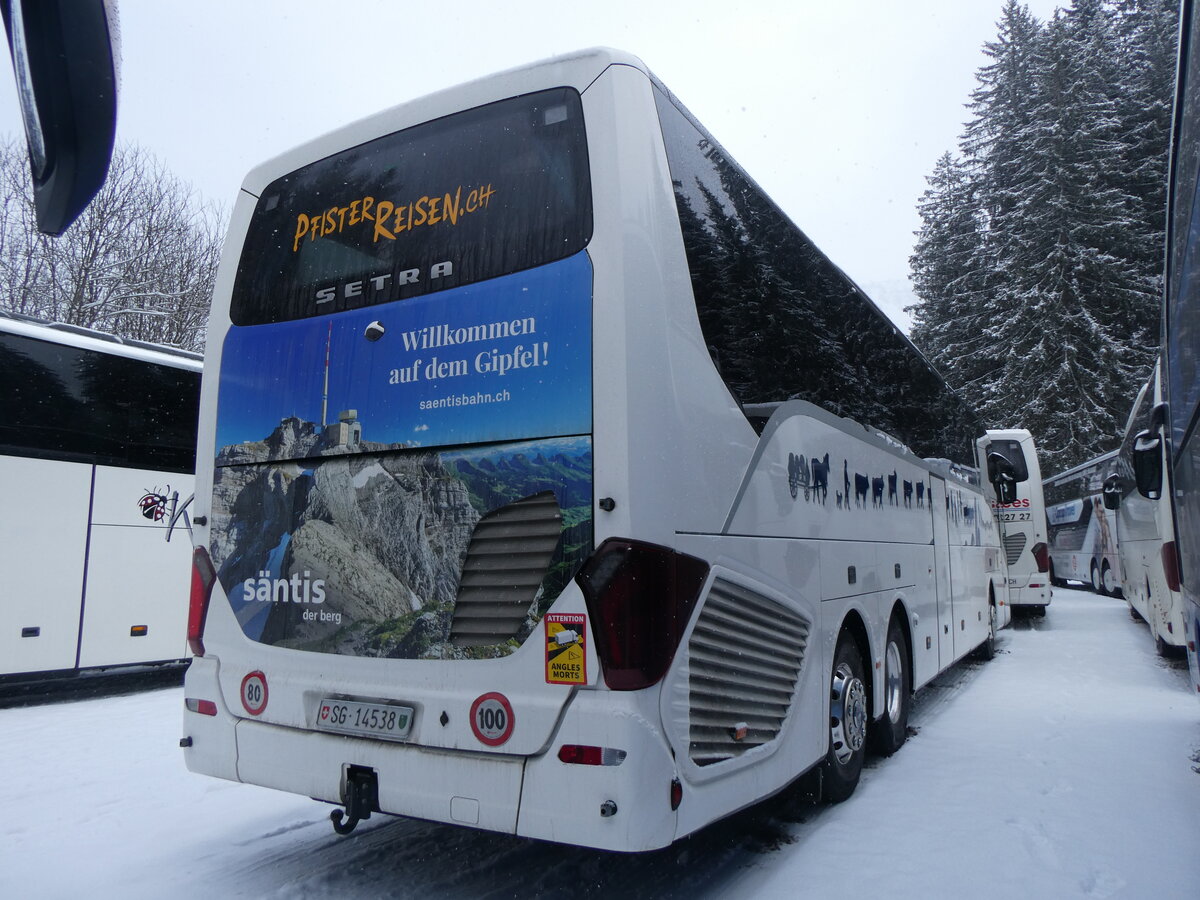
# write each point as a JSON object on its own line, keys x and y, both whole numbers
{"x": 1022, "y": 520}
{"x": 97, "y": 443}
{"x": 1146, "y": 530}
{"x": 1082, "y": 532}
{"x": 505, "y": 514}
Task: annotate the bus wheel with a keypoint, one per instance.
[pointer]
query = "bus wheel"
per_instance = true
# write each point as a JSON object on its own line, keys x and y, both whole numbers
{"x": 987, "y": 650}
{"x": 1097, "y": 584}
{"x": 847, "y": 721}
{"x": 1134, "y": 614}
{"x": 1108, "y": 581}
{"x": 890, "y": 730}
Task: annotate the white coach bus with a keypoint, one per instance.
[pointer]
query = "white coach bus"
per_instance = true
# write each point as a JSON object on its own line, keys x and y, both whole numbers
{"x": 1022, "y": 520}
{"x": 1082, "y": 531}
{"x": 1146, "y": 533}
{"x": 97, "y": 445}
{"x": 552, "y": 482}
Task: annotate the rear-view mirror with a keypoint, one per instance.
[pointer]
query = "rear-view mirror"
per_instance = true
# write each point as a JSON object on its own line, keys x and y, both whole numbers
{"x": 1147, "y": 464}
{"x": 65, "y": 59}
{"x": 1003, "y": 477}
{"x": 1112, "y": 492}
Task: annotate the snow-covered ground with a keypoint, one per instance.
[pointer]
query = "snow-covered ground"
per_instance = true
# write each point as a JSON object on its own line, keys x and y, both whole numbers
{"x": 1069, "y": 766}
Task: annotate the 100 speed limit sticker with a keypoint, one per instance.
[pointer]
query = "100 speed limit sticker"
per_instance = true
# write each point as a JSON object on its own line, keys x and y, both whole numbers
{"x": 492, "y": 719}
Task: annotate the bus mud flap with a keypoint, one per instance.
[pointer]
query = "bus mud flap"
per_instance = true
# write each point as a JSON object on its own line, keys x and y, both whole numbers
{"x": 360, "y": 796}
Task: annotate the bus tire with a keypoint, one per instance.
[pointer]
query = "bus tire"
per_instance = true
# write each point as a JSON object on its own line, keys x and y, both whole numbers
{"x": 987, "y": 650}
{"x": 1097, "y": 584}
{"x": 1109, "y": 583}
{"x": 848, "y": 714}
{"x": 890, "y": 730}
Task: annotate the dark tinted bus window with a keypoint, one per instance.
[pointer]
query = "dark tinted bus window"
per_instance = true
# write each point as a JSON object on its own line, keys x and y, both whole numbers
{"x": 59, "y": 402}
{"x": 783, "y": 322}
{"x": 471, "y": 196}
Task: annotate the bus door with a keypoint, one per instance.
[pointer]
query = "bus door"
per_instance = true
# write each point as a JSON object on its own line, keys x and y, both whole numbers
{"x": 941, "y": 564}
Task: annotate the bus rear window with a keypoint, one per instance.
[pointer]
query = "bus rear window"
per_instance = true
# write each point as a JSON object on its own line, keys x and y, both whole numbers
{"x": 475, "y": 195}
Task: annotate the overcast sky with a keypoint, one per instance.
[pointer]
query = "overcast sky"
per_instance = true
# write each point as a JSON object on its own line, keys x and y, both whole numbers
{"x": 838, "y": 108}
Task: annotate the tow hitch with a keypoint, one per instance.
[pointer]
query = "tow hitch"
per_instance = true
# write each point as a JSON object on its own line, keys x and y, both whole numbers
{"x": 360, "y": 796}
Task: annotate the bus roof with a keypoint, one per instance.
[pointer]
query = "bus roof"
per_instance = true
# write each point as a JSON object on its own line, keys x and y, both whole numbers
{"x": 99, "y": 341}
{"x": 577, "y": 70}
{"x": 1083, "y": 467}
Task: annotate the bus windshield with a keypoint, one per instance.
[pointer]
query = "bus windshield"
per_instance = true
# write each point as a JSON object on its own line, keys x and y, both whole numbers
{"x": 471, "y": 196}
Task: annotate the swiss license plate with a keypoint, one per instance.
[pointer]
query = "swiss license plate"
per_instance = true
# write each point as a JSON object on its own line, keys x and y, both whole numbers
{"x": 381, "y": 720}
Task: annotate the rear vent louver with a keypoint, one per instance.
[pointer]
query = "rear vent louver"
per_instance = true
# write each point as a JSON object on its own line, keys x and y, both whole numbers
{"x": 745, "y": 655}
{"x": 1014, "y": 544}
{"x": 509, "y": 555}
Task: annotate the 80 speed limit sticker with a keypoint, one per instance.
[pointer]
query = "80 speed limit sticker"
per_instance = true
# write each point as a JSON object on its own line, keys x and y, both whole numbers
{"x": 492, "y": 719}
{"x": 254, "y": 693}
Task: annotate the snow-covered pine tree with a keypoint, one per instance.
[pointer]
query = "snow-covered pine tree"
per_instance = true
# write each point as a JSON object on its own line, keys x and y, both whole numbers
{"x": 1064, "y": 163}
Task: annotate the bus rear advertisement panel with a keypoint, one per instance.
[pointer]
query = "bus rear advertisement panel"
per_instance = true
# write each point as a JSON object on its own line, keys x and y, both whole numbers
{"x": 467, "y": 404}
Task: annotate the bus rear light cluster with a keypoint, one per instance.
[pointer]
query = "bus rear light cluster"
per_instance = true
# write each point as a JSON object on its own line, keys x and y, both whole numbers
{"x": 203, "y": 707}
{"x": 204, "y": 576}
{"x": 640, "y": 597}
{"x": 1041, "y": 553}
{"x": 1170, "y": 561}
{"x": 581, "y": 755}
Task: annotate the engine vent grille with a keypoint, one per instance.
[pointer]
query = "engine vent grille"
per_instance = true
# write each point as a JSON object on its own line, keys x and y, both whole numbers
{"x": 507, "y": 560}
{"x": 745, "y": 655}
{"x": 1014, "y": 544}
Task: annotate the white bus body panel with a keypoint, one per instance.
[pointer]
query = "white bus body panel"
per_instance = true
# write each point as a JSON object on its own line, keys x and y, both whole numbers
{"x": 43, "y": 540}
{"x": 136, "y": 578}
{"x": 84, "y": 566}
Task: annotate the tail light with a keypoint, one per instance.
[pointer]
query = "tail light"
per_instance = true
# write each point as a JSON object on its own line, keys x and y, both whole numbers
{"x": 204, "y": 707}
{"x": 204, "y": 576}
{"x": 580, "y": 755}
{"x": 1170, "y": 560}
{"x": 1041, "y": 553}
{"x": 640, "y": 597}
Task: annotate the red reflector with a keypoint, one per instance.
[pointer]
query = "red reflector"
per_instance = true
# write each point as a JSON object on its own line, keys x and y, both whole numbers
{"x": 1170, "y": 560}
{"x": 676, "y": 793}
{"x": 1041, "y": 553}
{"x": 580, "y": 756}
{"x": 204, "y": 576}
{"x": 204, "y": 707}
{"x": 640, "y": 597}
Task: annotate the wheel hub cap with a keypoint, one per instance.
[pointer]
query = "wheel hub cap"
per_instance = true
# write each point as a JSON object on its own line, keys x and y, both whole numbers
{"x": 848, "y": 714}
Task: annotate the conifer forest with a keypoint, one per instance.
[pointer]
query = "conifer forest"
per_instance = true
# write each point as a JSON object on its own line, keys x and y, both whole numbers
{"x": 1038, "y": 264}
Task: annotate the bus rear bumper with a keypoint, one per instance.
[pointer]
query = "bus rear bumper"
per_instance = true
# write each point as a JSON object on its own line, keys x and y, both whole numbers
{"x": 475, "y": 789}
{"x": 1031, "y": 596}
{"x": 624, "y": 806}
